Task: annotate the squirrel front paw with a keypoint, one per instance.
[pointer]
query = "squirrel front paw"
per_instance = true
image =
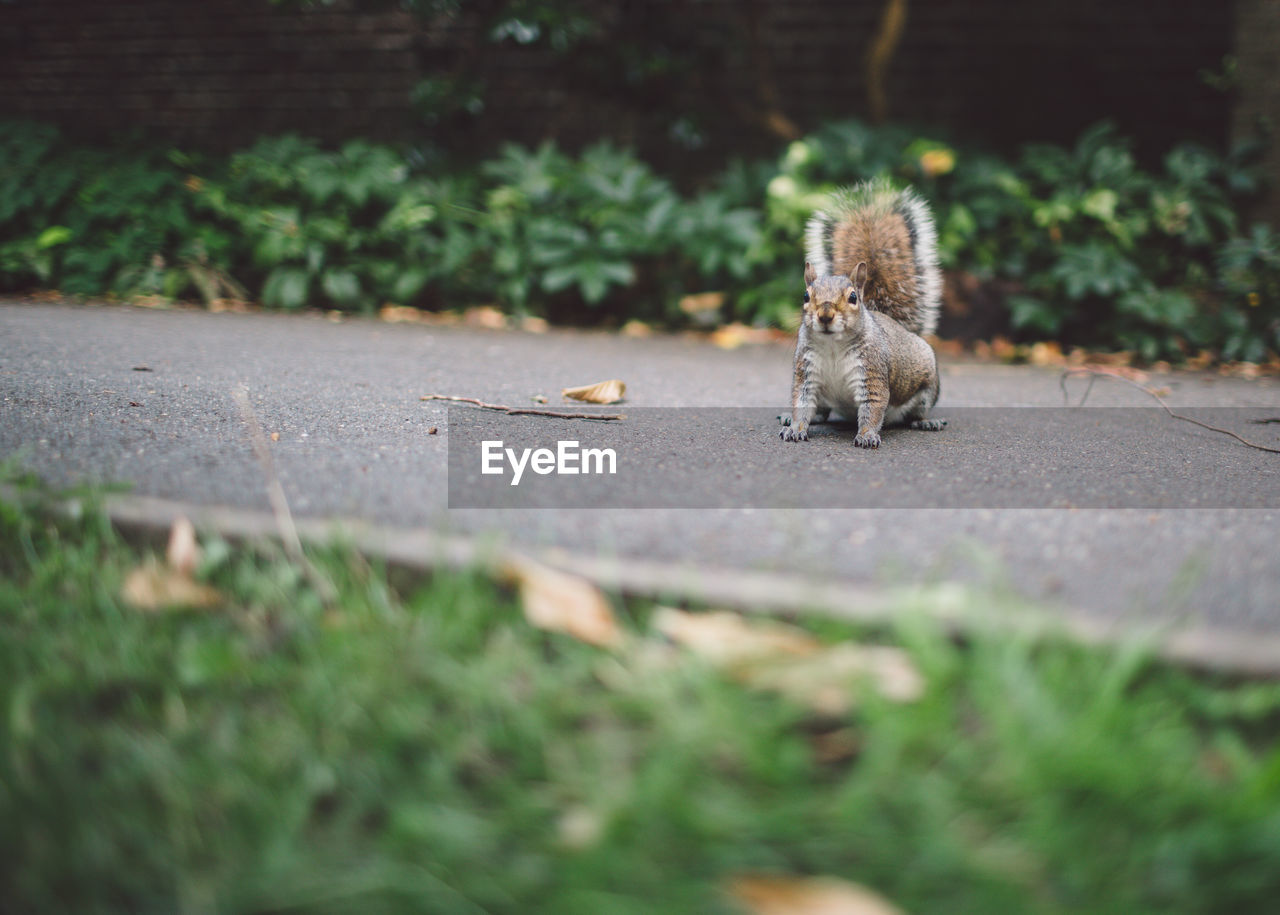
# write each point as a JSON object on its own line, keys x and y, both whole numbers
{"x": 793, "y": 434}
{"x": 867, "y": 440}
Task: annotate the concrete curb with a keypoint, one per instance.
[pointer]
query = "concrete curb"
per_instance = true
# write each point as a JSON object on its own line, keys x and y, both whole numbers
{"x": 420, "y": 552}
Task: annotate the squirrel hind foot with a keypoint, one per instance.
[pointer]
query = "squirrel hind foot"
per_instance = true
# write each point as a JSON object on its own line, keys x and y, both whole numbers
{"x": 929, "y": 425}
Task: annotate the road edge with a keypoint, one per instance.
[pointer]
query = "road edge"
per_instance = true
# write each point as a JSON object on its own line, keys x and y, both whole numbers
{"x": 419, "y": 552}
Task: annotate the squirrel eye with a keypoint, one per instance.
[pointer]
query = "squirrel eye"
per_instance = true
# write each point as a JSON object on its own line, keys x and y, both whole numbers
{"x": 806, "y": 298}
{"x": 853, "y": 298}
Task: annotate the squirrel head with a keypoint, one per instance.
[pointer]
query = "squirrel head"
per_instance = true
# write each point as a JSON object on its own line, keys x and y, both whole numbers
{"x": 833, "y": 304}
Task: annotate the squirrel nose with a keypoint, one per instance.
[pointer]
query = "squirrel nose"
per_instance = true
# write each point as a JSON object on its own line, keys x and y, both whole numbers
{"x": 826, "y": 319}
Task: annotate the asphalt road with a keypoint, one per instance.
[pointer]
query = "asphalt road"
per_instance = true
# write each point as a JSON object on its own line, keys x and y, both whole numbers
{"x": 1114, "y": 509}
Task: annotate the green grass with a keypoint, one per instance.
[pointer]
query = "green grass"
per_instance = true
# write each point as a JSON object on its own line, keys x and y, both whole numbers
{"x": 428, "y": 751}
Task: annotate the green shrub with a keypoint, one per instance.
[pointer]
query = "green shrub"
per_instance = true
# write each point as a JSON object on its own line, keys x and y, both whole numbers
{"x": 1101, "y": 251}
{"x": 1091, "y": 246}
{"x": 605, "y": 227}
{"x": 96, "y": 221}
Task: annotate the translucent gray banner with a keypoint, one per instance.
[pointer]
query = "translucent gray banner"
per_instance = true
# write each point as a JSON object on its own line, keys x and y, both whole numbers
{"x": 998, "y": 457}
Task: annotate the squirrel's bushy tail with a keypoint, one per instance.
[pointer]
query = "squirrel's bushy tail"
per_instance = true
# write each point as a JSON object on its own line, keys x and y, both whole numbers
{"x": 892, "y": 230}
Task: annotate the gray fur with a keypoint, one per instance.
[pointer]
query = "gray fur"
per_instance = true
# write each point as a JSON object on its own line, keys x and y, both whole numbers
{"x": 867, "y": 198}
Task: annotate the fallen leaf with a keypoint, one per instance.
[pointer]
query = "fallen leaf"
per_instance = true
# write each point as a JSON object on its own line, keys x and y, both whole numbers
{"x": 1248, "y": 370}
{"x": 726, "y": 638}
{"x": 731, "y": 336}
{"x": 610, "y": 391}
{"x": 701, "y": 302}
{"x": 1117, "y": 359}
{"x": 828, "y": 681}
{"x": 1201, "y": 360}
{"x": 531, "y": 324}
{"x": 947, "y": 347}
{"x": 153, "y": 587}
{"x": 183, "y": 553}
{"x": 433, "y": 430}
{"x": 1003, "y": 349}
{"x": 760, "y": 895}
{"x": 1046, "y": 353}
{"x": 765, "y": 654}
{"x": 635, "y": 328}
{"x": 485, "y": 316}
{"x": 400, "y": 314}
{"x": 559, "y": 602}
{"x": 275, "y": 436}
{"x": 238, "y": 306}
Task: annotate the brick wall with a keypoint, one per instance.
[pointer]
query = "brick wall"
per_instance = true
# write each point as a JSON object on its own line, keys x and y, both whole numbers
{"x": 213, "y": 72}
{"x": 217, "y": 73}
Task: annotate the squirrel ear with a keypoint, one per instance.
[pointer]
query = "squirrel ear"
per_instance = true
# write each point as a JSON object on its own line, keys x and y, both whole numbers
{"x": 859, "y": 277}
{"x": 809, "y": 274}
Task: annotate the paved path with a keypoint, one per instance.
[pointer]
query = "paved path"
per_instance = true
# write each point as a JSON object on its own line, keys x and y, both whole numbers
{"x": 1121, "y": 513}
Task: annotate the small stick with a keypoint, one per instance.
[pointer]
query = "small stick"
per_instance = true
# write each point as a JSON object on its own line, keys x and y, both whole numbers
{"x": 1095, "y": 374}
{"x": 513, "y": 411}
{"x": 279, "y": 504}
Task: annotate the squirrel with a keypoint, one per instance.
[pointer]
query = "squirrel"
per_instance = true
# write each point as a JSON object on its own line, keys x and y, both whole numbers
{"x": 872, "y": 287}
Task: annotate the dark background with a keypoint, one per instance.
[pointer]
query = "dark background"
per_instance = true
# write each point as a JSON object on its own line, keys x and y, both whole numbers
{"x": 678, "y": 79}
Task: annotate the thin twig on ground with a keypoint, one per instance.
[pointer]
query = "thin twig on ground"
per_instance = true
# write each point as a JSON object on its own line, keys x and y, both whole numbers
{"x": 279, "y": 503}
{"x": 513, "y": 411}
{"x": 1094, "y": 374}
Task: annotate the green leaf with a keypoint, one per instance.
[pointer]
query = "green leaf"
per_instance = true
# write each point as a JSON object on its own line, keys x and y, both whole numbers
{"x": 286, "y": 287}
{"x": 341, "y": 286}
{"x": 409, "y": 284}
{"x": 53, "y": 236}
{"x": 1029, "y": 313}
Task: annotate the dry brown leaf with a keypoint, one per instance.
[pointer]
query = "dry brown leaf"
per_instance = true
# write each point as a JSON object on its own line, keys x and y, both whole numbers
{"x": 560, "y": 602}
{"x": 1249, "y": 370}
{"x": 635, "y": 328}
{"x": 235, "y": 306}
{"x": 153, "y": 587}
{"x": 400, "y": 314}
{"x": 485, "y": 316}
{"x": 183, "y": 553}
{"x": 807, "y": 896}
{"x": 532, "y": 324}
{"x": 946, "y": 347}
{"x": 726, "y": 638}
{"x": 1201, "y": 360}
{"x": 1046, "y": 353}
{"x": 764, "y": 654}
{"x": 701, "y": 302}
{"x": 610, "y": 391}
{"x": 1121, "y": 358}
{"x": 828, "y": 681}
{"x": 731, "y": 336}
